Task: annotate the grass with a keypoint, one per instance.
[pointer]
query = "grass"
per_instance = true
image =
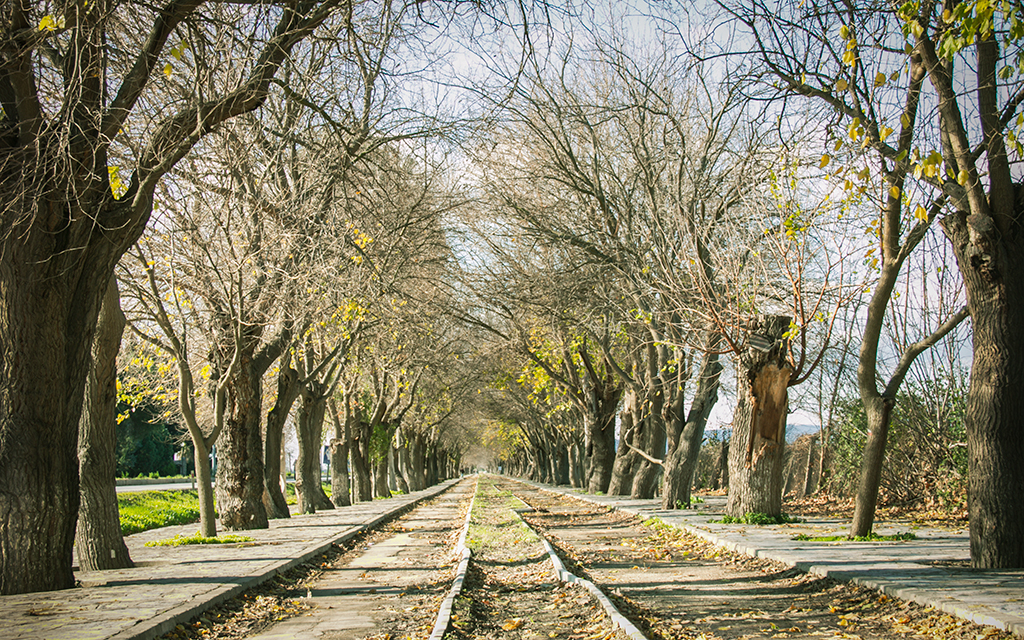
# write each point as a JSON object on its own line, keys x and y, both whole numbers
{"x": 757, "y": 519}
{"x": 291, "y": 498}
{"x": 871, "y": 537}
{"x": 197, "y": 538}
{"x": 146, "y": 510}
{"x": 493, "y": 523}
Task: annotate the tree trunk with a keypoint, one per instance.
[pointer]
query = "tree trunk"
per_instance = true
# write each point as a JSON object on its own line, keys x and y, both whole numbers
{"x": 204, "y": 487}
{"x": 417, "y": 459}
{"x": 309, "y": 426}
{"x": 759, "y": 423}
{"x": 600, "y": 424}
{"x": 879, "y": 414}
{"x": 400, "y": 460}
{"x": 722, "y": 468}
{"x": 287, "y": 391}
{"x": 240, "y": 449}
{"x": 339, "y": 459}
{"x": 681, "y": 463}
{"x": 99, "y": 543}
{"x": 808, "y": 481}
{"x": 992, "y": 265}
{"x": 380, "y": 478}
{"x": 645, "y": 480}
{"x": 626, "y": 460}
{"x": 362, "y": 490}
{"x": 48, "y": 314}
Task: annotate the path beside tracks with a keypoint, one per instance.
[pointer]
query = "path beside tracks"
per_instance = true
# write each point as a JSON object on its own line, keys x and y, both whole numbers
{"x": 170, "y": 585}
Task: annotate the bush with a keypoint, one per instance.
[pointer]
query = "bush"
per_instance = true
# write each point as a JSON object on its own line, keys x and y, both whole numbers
{"x": 925, "y": 458}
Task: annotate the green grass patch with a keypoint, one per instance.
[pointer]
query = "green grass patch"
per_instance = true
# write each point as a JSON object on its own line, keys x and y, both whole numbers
{"x": 758, "y": 519}
{"x": 871, "y": 537}
{"x": 291, "y": 498}
{"x": 144, "y": 510}
{"x": 197, "y": 538}
{"x": 493, "y": 524}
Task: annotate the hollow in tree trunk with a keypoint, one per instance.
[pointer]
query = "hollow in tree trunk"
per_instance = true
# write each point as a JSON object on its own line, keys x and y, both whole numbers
{"x": 98, "y": 540}
{"x": 759, "y": 423}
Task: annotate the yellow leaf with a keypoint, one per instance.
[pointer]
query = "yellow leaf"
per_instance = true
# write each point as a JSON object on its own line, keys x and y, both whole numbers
{"x": 885, "y": 132}
{"x": 168, "y": 69}
{"x": 963, "y": 177}
{"x": 879, "y": 79}
{"x": 47, "y": 23}
{"x": 825, "y": 159}
{"x": 894, "y": 192}
{"x": 921, "y": 213}
{"x": 850, "y": 57}
{"x": 905, "y": 120}
{"x": 841, "y": 85}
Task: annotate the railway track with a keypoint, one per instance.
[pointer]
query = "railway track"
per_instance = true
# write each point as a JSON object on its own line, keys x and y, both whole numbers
{"x": 531, "y": 564}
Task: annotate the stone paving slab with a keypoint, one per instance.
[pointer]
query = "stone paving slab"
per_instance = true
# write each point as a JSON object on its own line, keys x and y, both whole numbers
{"x": 927, "y": 570}
{"x": 171, "y": 585}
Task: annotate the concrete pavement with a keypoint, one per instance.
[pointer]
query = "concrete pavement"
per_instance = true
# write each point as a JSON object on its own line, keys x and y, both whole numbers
{"x": 930, "y": 570}
{"x": 170, "y": 585}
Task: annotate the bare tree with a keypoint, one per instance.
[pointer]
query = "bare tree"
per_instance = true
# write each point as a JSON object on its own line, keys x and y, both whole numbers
{"x": 77, "y": 93}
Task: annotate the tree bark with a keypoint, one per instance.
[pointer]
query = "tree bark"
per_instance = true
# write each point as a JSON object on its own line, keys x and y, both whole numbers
{"x": 681, "y": 463}
{"x": 759, "y": 423}
{"x": 310, "y": 426}
{"x": 240, "y": 448}
{"x": 362, "y": 490}
{"x": 993, "y": 270}
{"x": 98, "y": 541}
{"x": 600, "y": 425}
{"x": 808, "y": 480}
{"x": 645, "y": 480}
{"x": 380, "y": 478}
{"x": 48, "y": 314}
{"x": 340, "y": 487}
{"x": 625, "y": 464}
{"x": 204, "y": 487}
{"x": 287, "y": 391}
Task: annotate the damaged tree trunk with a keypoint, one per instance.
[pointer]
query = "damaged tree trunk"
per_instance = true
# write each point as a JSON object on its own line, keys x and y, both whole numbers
{"x": 759, "y": 423}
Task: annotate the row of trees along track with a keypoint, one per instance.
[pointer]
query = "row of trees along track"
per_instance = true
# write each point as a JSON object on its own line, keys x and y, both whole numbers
{"x": 239, "y": 159}
{"x": 251, "y": 175}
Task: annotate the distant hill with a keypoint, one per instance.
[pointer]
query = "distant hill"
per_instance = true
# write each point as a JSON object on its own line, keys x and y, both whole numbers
{"x": 793, "y": 431}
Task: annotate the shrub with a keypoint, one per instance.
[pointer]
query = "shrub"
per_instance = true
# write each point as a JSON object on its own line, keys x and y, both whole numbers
{"x": 925, "y": 457}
